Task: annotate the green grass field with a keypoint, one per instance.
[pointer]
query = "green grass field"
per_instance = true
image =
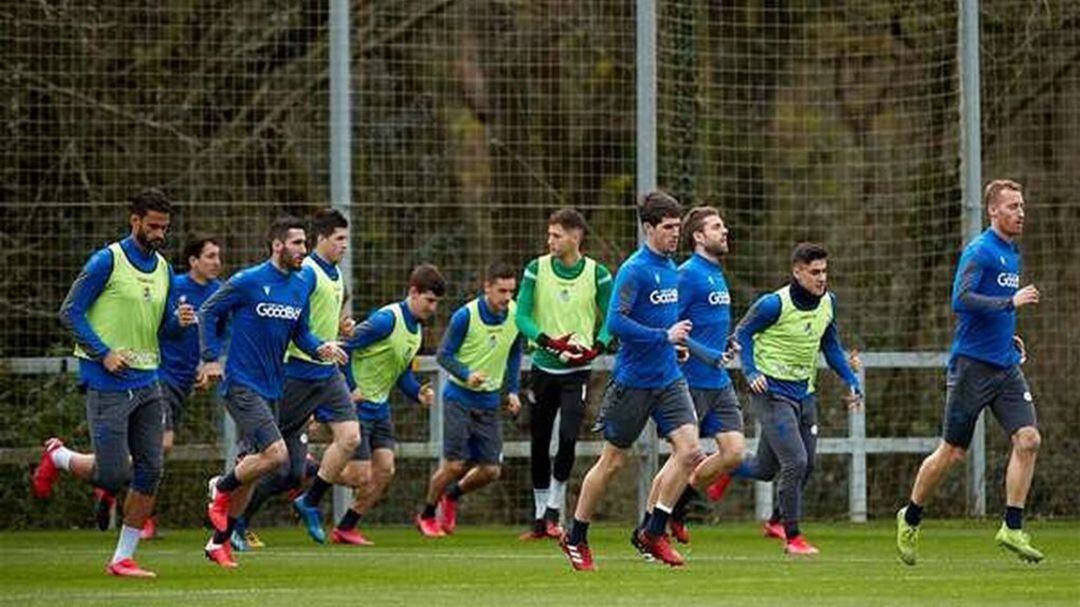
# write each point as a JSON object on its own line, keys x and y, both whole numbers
{"x": 728, "y": 564}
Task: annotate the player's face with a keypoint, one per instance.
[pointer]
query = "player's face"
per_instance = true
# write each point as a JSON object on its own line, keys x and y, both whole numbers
{"x": 499, "y": 292}
{"x": 1007, "y": 213}
{"x": 562, "y": 241}
{"x": 290, "y": 252}
{"x": 150, "y": 229}
{"x": 812, "y": 276}
{"x": 334, "y": 246}
{"x": 714, "y": 236}
{"x": 664, "y": 237}
{"x": 208, "y": 264}
{"x": 423, "y": 305}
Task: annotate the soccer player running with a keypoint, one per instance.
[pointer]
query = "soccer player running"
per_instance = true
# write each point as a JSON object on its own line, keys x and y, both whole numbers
{"x": 381, "y": 356}
{"x": 560, "y": 308}
{"x": 984, "y": 371}
{"x": 180, "y": 344}
{"x": 311, "y": 383}
{"x": 114, "y": 311}
{"x": 266, "y": 307}
{"x": 481, "y": 350}
{"x": 780, "y": 339}
{"x": 646, "y": 381}
{"x": 705, "y": 301}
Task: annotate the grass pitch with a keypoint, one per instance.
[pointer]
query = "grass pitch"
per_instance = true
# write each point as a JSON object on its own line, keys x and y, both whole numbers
{"x": 729, "y": 564}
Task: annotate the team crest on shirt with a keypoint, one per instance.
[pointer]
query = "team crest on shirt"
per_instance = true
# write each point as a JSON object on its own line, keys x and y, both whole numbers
{"x": 809, "y": 328}
{"x": 1002, "y": 258}
{"x": 656, "y": 275}
{"x": 266, "y": 289}
{"x": 146, "y": 293}
{"x": 564, "y": 295}
{"x": 492, "y": 341}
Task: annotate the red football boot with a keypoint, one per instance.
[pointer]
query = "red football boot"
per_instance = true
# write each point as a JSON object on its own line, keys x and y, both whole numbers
{"x": 128, "y": 568}
{"x": 46, "y": 472}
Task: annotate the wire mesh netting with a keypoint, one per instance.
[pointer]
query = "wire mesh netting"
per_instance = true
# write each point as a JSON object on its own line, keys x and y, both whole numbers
{"x": 473, "y": 120}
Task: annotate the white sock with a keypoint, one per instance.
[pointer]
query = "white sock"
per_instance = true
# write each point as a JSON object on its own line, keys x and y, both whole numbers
{"x": 540, "y": 501}
{"x": 126, "y": 545}
{"x": 210, "y": 545}
{"x": 558, "y": 495}
{"x": 62, "y": 458}
{"x": 662, "y": 507}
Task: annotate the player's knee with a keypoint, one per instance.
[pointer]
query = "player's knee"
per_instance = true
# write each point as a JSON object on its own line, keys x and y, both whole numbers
{"x": 1027, "y": 440}
{"x": 796, "y": 465}
{"x": 146, "y": 478}
{"x": 492, "y": 472}
{"x": 952, "y": 454}
{"x": 456, "y": 467}
{"x": 114, "y": 479}
{"x": 348, "y": 438}
{"x": 276, "y": 455}
{"x": 692, "y": 458}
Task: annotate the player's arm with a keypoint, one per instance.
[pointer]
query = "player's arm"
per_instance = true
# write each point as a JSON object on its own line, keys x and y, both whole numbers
{"x": 513, "y": 375}
{"x": 179, "y": 314}
{"x": 604, "y": 285}
{"x": 213, "y": 315}
{"x": 710, "y": 356}
{"x": 84, "y": 291}
{"x": 762, "y": 315}
{"x": 525, "y": 298}
{"x": 965, "y": 298}
{"x": 302, "y": 336}
{"x": 835, "y": 355}
{"x": 446, "y": 355}
{"x": 625, "y": 293}
{"x": 374, "y": 328}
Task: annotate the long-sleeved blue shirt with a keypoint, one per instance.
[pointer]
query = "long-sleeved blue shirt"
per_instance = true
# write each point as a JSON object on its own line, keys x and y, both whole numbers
{"x": 705, "y": 301}
{"x": 265, "y": 308}
{"x": 376, "y": 328}
{"x": 987, "y": 277}
{"x": 298, "y": 368}
{"x": 763, "y": 314}
{"x": 82, "y": 295}
{"x": 180, "y": 345}
{"x": 447, "y": 358}
{"x": 644, "y": 304}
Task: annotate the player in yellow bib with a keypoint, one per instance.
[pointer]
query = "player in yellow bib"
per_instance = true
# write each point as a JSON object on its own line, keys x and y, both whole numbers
{"x": 114, "y": 312}
{"x": 481, "y": 351}
{"x": 381, "y": 355}
{"x": 561, "y": 309}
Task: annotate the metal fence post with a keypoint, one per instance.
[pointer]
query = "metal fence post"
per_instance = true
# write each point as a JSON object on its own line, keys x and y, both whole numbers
{"x": 857, "y": 475}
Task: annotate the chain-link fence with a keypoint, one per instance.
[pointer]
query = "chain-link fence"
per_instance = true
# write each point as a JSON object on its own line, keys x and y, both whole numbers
{"x": 472, "y": 120}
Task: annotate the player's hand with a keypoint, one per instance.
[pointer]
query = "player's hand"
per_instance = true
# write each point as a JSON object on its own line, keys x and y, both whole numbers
{"x": 185, "y": 313}
{"x": 358, "y": 396}
{"x": 513, "y": 404}
{"x": 1025, "y": 296}
{"x": 330, "y": 351}
{"x": 1018, "y": 343}
{"x": 476, "y": 379}
{"x": 682, "y": 353}
{"x": 582, "y": 358}
{"x": 854, "y": 361}
{"x": 730, "y": 352}
{"x": 759, "y": 384}
{"x": 209, "y": 373}
{"x": 426, "y": 395}
{"x": 114, "y": 362}
{"x": 347, "y": 327}
{"x": 560, "y": 346}
{"x": 679, "y": 331}
{"x": 854, "y": 400}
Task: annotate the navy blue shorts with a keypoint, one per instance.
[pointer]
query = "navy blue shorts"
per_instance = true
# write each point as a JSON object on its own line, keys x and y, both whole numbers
{"x": 718, "y": 411}
{"x": 626, "y": 410}
{"x": 972, "y": 386}
{"x": 470, "y": 434}
{"x": 374, "y": 434}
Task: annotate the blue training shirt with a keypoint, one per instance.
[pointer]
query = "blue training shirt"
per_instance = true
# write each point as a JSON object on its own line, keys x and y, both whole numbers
{"x": 644, "y": 304}
{"x": 447, "y": 358}
{"x": 704, "y": 300}
{"x": 265, "y": 308}
{"x": 376, "y": 328}
{"x": 298, "y": 368}
{"x": 987, "y": 277}
{"x": 82, "y": 295}
{"x": 764, "y": 314}
{"x": 180, "y": 345}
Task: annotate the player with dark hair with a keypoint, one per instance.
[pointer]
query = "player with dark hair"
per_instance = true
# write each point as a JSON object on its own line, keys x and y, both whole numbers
{"x": 984, "y": 371}
{"x": 381, "y": 356}
{"x": 646, "y": 382}
{"x": 114, "y": 311}
{"x": 779, "y": 341}
{"x": 561, "y": 309}
{"x": 266, "y": 307}
{"x": 481, "y": 350}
